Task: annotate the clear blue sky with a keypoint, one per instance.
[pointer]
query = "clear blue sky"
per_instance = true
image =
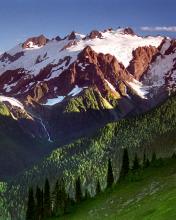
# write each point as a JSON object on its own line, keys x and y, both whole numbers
{"x": 20, "y": 19}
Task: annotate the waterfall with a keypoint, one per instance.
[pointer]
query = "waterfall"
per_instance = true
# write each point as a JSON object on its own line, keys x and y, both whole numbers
{"x": 46, "y": 131}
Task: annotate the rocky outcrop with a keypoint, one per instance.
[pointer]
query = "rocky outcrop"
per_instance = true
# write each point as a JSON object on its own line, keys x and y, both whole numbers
{"x": 142, "y": 57}
{"x": 72, "y": 36}
{"x": 129, "y": 31}
{"x": 37, "y": 41}
{"x": 8, "y": 58}
{"x": 94, "y": 34}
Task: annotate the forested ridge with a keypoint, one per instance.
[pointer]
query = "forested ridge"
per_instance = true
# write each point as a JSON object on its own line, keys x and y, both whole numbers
{"x": 88, "y": 157}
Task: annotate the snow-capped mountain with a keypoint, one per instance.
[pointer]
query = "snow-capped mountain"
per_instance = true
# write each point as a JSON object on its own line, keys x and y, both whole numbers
{"x": 48, "y": 71}
{"x": 116, "y": 69}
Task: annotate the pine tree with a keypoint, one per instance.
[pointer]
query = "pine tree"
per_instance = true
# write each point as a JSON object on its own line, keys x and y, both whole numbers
{"x": 47, "y": 200}
{"x": 174, "y": 155}
{"x": 39, "y": 204}
{"x": 60, "y": 198}
{"x": 98, "y": 187}
{"x": 153, "y": 157}
{"x": 30, "y": 213}
{"x": 78, "y": 190}
{"x": 86, "y": 195}
{"x": 125, "y": 165}
{"x": 146, "y": 161}
{"x": 110, "y": 177}
{"x": 136, "y": 165}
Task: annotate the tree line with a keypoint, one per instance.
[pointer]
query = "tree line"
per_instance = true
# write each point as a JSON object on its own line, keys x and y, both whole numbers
{"x": 44, "y": 203}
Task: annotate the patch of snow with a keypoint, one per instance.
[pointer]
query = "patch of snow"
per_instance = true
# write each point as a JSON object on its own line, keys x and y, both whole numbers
{"x": 165, "y": 46}
{"x": 12, "y": 101}
{"x": 54, "y": 101}
{"x": 118, "y": 44}
{"x": 113, "y": 42}
{"x": 110, "y": 86}
{"x": 158, "y": 70}
{"x": 75, "y": 91}
{"x": 138, "y": 88}
{"x": 31, "y": 45}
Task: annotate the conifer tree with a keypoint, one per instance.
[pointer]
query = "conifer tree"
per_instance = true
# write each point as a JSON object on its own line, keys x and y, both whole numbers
{"x": 87, "y": 194}
{"x": 147, "y": 163}
{"x": 60, "y": 198}
{"x": 125, "y": 165}
{"x": 30, "y": 213}
{"x": 78, "y": 190}
{"x": 136, "y": 165}
{"x": 98, "y": 187}
{"x": 153, "y": 157}
{"x": 47, "y": 200}
{"x": 39, "y": 204}
{"x": 110, "y": 176}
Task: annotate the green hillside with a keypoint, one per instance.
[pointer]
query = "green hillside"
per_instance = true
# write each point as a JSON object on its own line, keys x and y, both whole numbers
{"x": 151, "y": 198}
{"x": 87, "y": 157}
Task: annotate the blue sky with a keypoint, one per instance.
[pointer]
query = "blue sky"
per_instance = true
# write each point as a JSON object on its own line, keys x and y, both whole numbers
{"x": 20, "y": 19}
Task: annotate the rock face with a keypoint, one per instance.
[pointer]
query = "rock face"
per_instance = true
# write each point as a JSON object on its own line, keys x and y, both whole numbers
{"x": 142, "y": 58}
{"x": 40, "y": 71}
{"x": 74, "y": 85}
{"x": 35, "y": 41}
{"x": 129, "y": 30}
{"x": 94, "y": 34}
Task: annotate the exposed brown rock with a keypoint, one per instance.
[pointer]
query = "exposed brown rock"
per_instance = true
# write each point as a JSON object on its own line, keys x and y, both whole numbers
{"x": 94, "y": 34}
{"x": 142, "y": 57}
{"x": 39, "y": 41}
{"x": 58, "y": 38}
{"x": 171, "y": 48}
{"x": 129, "y": 30}
{"x": 72, "y": 36}
{"x": 10, "y": 58}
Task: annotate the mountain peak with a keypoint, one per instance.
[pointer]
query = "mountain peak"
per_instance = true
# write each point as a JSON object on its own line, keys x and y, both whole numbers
{"x": 34, "y": 42}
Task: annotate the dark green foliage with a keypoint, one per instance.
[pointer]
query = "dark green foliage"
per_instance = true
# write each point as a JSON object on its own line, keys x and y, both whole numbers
{"x": 61, "y": 200}
{"x": 39, "y": 203}
{"x": 78, "y": 190}
{"x": 146, "y": 161}
{"x": 153, "y": 158}
{"x": 110, "y": 176}
{"x": 174, "y": 155}
{"x": 47, "y": 200}
{"x": 98, "y": 187}
{"x": 136, "y": 164}
{"x": 87, "y": 194}
{"x": 153, "y": 131}
{"x": 30, "y": 213}
{"x": 125, "y": 165}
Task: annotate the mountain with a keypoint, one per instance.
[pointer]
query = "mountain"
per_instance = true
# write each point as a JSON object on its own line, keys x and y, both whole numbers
{"x": 127, "y": 73}
{"x": 67, "y": 105}
{"x": 57, "y": 90}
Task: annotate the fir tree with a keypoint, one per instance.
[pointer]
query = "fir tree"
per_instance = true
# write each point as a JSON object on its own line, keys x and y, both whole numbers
{"x": 47, "y": 200}
{"x": 39, "y": 204}
{"x": 30, "y": 213}
{"x": 136, "y": 165}
{"x": 110, "y": 177}
{"x": 78, "y": 191}
{"x": 125, "y": 165}
{"x": 86, "y": 195}
{"x": 153, "y": 158}
{"x": 147, "y": 163}
{"x": 174, "y": 155}
{"x": 60, "y": 198}
{"x": 98, "y": 187}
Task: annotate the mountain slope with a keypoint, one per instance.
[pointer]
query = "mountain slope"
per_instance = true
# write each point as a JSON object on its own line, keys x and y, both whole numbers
{"x": 153, "y": 197}
{"x": 87, "y": 157}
